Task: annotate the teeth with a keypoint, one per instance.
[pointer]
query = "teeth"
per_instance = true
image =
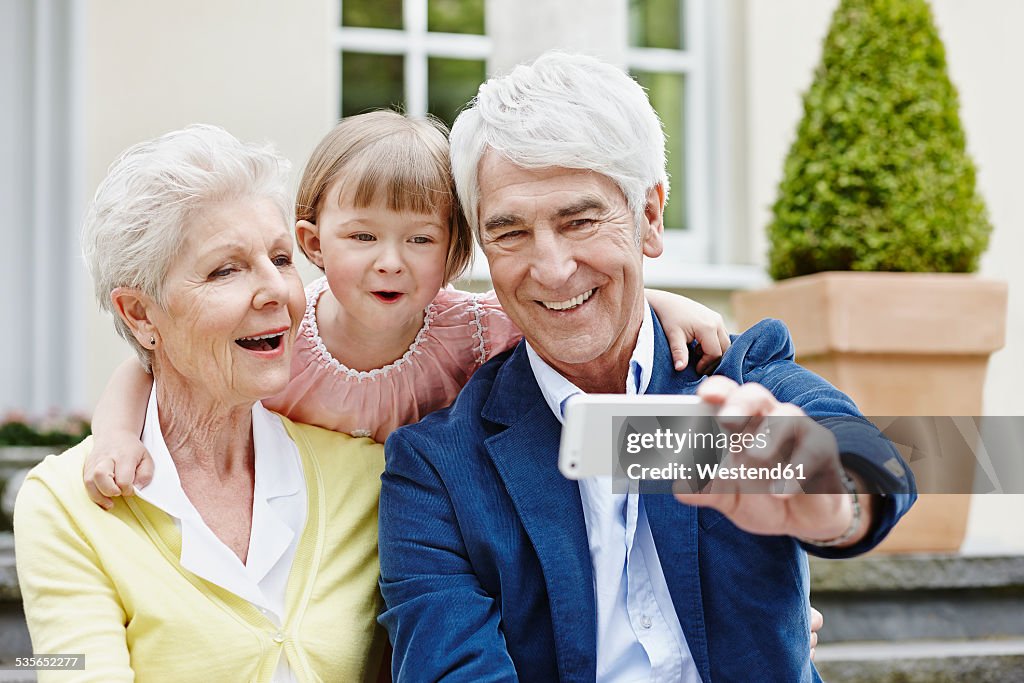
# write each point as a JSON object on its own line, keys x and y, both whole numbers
{"x": 569, "y": 303}
{"x": 264, "y": 336}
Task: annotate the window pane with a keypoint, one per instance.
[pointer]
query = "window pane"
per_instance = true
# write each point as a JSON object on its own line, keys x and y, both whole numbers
{"x": 656, "y": 23}
{"x": 667, "y": 92}
{"x": 372, "y": 13}
{"x": 456, "y": 16}
{"x": 452, "y": 82}
{"x": 371, "y": 82}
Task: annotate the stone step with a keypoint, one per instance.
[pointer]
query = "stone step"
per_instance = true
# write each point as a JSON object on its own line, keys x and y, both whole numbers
{"x": 14, "y": 676}
{"x": 934, "y": 661}
{"x": 919, "y": 597}
{"x": 888, "y": 619}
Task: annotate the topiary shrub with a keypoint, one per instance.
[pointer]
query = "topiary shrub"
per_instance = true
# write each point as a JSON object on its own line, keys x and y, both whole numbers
{"x": 878, "y": 177}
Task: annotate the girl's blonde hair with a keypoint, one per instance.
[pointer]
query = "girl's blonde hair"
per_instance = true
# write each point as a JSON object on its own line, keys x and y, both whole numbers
{"x": 385, "y": 156}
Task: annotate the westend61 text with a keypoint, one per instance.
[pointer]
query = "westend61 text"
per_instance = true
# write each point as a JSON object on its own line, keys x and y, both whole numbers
{"x": 668, "y": 440}
{"x": 706, "y": 471}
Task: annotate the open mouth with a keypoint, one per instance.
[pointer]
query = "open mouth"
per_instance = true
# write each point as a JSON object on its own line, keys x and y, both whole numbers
{"x": 388, "y": 297}
{"x": 569, "y": 304}
{"x": 263, "y": 342}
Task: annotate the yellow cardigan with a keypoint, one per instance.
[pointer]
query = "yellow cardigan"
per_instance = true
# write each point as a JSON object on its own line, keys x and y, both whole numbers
{"x": 109, "y": 585}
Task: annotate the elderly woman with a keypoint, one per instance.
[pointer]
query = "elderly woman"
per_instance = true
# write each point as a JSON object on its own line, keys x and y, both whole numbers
{"x": 252, "y": 554}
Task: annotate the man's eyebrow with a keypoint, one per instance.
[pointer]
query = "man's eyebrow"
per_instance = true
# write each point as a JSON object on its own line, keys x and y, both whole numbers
{"x": 584, "y": 204}
{"x": 505, "y": 220}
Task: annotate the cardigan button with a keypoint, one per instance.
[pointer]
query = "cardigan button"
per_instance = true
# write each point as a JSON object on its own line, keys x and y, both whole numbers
{"x": 278, "y": 637}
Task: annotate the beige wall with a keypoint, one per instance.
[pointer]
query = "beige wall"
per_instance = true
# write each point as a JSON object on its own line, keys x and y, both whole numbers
{"x": 263, "y": 69}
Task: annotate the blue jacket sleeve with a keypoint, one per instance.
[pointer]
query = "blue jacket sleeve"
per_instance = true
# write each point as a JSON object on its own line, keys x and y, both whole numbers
{"x": 442, "y": 624}
{"x": 765, "y": 354}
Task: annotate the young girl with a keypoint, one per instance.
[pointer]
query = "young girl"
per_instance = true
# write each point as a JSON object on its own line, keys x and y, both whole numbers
{"x": 384, "y": 340}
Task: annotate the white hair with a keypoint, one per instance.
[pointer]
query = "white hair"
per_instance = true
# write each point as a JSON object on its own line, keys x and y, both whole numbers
{"x": 566, "y": 110}
{"x": 136, "y": 221}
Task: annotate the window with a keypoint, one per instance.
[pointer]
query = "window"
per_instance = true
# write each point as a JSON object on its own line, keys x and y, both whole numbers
{"x": 666, "y": 56}
{"x": 431, "y": 55}
{"x": 417, "y": 55}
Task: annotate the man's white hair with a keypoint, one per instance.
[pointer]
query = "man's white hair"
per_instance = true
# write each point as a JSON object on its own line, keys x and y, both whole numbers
{"x": 136, "y": 222}
{"x": 566, "y": 110}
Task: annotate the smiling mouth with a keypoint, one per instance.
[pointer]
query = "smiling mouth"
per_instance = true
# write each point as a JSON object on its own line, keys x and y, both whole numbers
{"x": 263, "y": 342}
{"x": 569, "y": 304}
{"x": 387, "y": 297}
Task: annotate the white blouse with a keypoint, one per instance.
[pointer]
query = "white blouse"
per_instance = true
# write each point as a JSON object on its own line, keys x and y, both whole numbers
{"x": 278, "y": 517}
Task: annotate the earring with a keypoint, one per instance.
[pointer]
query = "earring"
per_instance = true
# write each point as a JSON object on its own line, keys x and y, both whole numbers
{"x": 152, "y": 340}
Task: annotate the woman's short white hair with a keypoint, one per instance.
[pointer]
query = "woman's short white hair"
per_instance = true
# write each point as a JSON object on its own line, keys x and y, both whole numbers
{"x": 566, "y": 110}
{"x": 136, "y": 221}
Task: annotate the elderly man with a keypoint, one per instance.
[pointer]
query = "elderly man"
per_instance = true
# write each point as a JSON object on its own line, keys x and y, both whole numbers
{"x": 495, "y": 567}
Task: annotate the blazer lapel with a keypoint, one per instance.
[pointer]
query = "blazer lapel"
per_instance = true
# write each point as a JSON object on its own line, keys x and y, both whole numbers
{"x": 549, "y": 507}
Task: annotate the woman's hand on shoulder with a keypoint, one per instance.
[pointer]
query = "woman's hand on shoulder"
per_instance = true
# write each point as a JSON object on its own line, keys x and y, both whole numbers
{"x": 684, "y": 320}
{"x": 116, "y": 464}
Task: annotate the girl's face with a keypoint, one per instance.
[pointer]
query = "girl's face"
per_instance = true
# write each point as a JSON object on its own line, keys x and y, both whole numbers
{"x": 384, "y": 267}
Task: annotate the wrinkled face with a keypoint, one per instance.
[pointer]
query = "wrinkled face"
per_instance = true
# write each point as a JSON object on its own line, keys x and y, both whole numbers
{"x": 384, "y": 267}
{"x": 233, "y": 301}
{"x": 564, "y": 261}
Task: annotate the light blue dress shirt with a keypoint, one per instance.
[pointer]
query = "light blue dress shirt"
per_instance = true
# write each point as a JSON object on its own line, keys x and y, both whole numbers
{"x": 639, "y": 637}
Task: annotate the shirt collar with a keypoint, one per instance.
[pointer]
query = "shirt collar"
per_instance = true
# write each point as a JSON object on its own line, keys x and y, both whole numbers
{"x": 164, "y": 489}
{"x": 276, "y": 475}
{"x": 556, "y": 389}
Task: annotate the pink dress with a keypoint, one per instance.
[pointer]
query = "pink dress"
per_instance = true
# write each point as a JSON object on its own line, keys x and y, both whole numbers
{"x": 460, "y": 332}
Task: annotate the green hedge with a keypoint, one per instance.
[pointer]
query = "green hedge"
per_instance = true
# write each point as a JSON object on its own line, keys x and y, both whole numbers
{"x": 63, "y": 432}
{"x": 878, "y": 177}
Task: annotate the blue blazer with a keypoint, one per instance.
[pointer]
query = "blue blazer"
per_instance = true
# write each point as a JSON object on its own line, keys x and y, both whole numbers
{"x": 485, "y": 567}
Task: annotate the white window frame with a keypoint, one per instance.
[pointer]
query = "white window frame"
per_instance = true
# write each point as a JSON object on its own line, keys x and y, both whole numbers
{"x": 700, "y": 257}
{"x": 692, "y": 245}
{"x": 416, "y": 44}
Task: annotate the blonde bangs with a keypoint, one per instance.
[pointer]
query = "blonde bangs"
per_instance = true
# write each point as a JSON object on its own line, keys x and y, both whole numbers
{"x": 403, "y": 174}
{"x": 384, "y": 158}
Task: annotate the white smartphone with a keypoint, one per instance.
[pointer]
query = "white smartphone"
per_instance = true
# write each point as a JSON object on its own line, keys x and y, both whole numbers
{"x": 589, "y": 444}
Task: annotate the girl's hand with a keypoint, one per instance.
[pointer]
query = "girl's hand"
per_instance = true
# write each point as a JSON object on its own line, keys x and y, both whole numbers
{"x": 684, "y": 320}
{"x": 117, "y": 464}
{"x": 817, "y": 620}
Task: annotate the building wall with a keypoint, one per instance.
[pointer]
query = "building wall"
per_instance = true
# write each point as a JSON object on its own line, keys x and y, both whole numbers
{"x": 255, "y": 67}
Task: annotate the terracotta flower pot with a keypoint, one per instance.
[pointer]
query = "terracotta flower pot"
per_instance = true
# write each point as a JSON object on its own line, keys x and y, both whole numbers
{"x": 898, "y": 344}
